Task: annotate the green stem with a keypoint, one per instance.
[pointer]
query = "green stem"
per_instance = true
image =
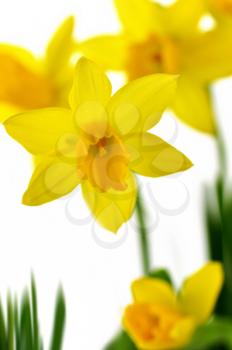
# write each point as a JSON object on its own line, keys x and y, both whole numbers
{"x": 221, "y": 180}
{"x": 221, "y": 151}
{"x": 220, "y": 239}
{"x": 143, "y": 235}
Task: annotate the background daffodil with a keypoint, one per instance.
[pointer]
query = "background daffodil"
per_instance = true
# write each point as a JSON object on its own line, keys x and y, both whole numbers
{"x": 167, "y": 39}
{"x": 28, "y": 82}
{"x": 99, "y": 143}
{"x": 160, "y": 318}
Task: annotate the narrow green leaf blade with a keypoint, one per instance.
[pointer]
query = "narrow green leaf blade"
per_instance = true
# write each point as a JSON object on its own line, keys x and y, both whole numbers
{"x": 59, "y": 322}
{"x": 10, "y": 324}
{"x": 26, "y": 333}
{"x": 35, "y": 322}
{"x": 16, "y": 325}
{"x": 3, "y": 338}
{"x": 217, "y": 333}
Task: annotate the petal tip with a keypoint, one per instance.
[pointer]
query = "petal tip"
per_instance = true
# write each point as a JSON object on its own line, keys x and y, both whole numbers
{"x": 83, "y": 61}
{"x": 69, "y": 22}
{"x": 113, "y": 228}
{"x": 189, "y": 163}
{"x": 26, "y": 200}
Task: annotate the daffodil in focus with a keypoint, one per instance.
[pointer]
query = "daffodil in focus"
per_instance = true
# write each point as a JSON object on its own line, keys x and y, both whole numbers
{"x": 100, "y": 142}
{"x": 28, "y": 82}
{"x": 168, "y": 39}
{"x": 162, "y": 319}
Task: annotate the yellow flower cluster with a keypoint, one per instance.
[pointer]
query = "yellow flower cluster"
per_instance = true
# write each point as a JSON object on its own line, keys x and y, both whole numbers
{"x": 80, "y": 134}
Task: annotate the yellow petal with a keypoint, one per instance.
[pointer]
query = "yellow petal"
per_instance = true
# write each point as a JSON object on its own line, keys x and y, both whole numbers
{"x": 139, "y": 105}
{"x": 183, "y": 331}
{"x": 151, "y": 156}
{"x": 136, "y": 17}
{"x": 21, "y": 55}
{"x": 181, "y": 21}
{"x": 51, "y": 179}
{"x": 7, "y": 110}
{"x": 90, "y": 84}
{"x": 112, "y": 208}
{"x": 192, "y": 105}
{"x": 39, "y": 131}
{"x": 199, "y": 293}
{"x": 109, "y": 51}
{"x": 60, "y": 47}
{"x": 160, "y": 22}
{"x": 153, "y": 290}
{"x": 23, "y": 83}
{"x": 91, "y": 118}
{"x": 209, "y": 57}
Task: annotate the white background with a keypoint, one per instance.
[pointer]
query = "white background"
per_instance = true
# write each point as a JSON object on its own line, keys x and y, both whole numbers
{"x": 95, "y": 276}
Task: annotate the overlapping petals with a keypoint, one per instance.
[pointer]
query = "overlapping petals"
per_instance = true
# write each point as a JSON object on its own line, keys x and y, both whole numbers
{"x": 169, "y": 39}
{"x": 100, "y": 142}
{"x": 162, "y": 319}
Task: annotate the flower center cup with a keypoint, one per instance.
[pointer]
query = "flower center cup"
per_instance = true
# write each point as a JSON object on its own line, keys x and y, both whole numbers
{"x": 105, "y": 164}
{"x": 22, "y": 87}
{"x": 151, "y": 324}
{"x": 155, "y": 55}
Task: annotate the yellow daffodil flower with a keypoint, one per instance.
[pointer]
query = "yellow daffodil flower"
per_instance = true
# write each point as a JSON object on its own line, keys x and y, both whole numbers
{"x": 99, "y": 143}
{"x": 161, "y": 319}
{"x": 159, "y": 39}
{"x": 28, "y": 82}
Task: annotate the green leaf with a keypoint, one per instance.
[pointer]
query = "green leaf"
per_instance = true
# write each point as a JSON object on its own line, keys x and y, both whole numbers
{"x": 59, "y": 322}
{"x": 218, "y": 208}
{"x": 26, "y": 333}
{"x": 213, "y": 223}
{"x": 16, "y": 325}
{"x": 161, "y": 274}
{"x": 36, "y": 339}
{"x": 3, "y": 339}
{"x": 216, "y": 333}
{"x": 10, "y": 324}
{"x": 21, "y": 331}
{"x": 121, "y": 342}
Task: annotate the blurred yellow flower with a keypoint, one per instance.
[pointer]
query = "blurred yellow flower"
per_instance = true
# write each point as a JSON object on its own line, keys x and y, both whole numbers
{"x": 159, "y": 39}
{"x": 160, "y": 318}
{"x": 99, "y": 143}
{"x": 27, "y": 82}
